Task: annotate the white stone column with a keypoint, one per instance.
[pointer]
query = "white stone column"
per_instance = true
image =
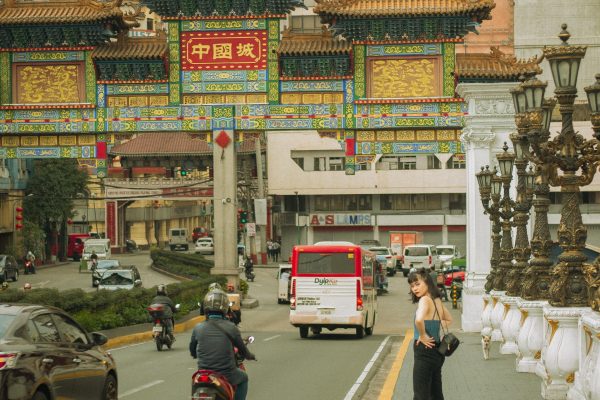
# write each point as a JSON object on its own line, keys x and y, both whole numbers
{"x": 560, "y": 352}
{"x": 489, "y": 122}
{"x": 531, "y": 334}
{"x": 497, "y": 317}
{"x": 587, "y": 379}
{"x": 510, "y": 325}
{"x": 486, "y": 316}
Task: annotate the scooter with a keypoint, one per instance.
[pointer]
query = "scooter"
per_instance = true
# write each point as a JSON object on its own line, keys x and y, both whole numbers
{"x": 249, "y": 272}
{"x": 130, "y": 245}
{"x": 29, "y": 268}
{"x": 159, "y": 330}
{"x": 210, "y": 385}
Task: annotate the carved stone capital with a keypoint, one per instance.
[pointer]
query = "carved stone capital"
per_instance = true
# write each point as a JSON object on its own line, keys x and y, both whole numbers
{"x": 478, "y": 140}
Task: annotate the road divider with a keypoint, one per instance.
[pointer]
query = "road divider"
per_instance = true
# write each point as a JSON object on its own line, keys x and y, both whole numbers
{"x": 147, "y": 336}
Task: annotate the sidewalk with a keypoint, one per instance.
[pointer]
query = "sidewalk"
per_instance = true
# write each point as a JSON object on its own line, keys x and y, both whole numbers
{"x": 466, "y": 375}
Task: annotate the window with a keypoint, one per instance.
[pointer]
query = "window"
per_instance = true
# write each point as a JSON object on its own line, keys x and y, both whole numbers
{"x": 299, "y": 161}
{"x": 457, "y": 161}
{"x": 402, "y": 202}
{"x": 321, "y": 203}
{"x": 407, "y": 202}
{"x": 326, "y": 263}
{"x": 336, "y": 164}
{"x": 433, "y": 162}
{"x": 458, "y": 201}
{"x": 385, "y": 202}
{"x": 46, "y": 329}
{"x": 150, "y": 24}
{"x": 407, "y": 162}
{"x": 364, "y": 202}
{"x": 306, "y": 24}
{"x": 336, "y": 203}
{"x": 69, "y": 330}
{"x": 350, "y": 203}
{"x": 319, "y": 164}
{"x": 362, "y": 167}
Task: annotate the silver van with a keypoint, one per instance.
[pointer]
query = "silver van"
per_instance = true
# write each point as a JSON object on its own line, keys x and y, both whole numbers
{"x": 178, "y": 239}
{"x": 420, "y": 256}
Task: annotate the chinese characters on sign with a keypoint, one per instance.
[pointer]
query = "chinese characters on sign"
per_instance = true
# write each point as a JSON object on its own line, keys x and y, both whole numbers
{"x": 224, "y": 50}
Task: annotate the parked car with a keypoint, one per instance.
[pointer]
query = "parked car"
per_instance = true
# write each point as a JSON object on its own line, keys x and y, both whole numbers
{"x": 198, "y": 233}
{"x": 102, "y": 266}
{"x": 449, "y": 277}
{"x": 178, "y": 239}
{"x": 419, "y": 256}
{"x": 9, "y": 269}
{"x": 368, "y": 243}
{"x": 447, "y": 253}
{"x": 205, "y": 245}
{"x": 124, "y": 277}
{"x": 385, "y": 257}
{"x": 46, "y": 355}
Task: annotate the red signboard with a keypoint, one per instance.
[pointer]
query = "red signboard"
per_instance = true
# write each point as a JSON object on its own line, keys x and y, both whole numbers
{"x": 224, "y": 50}
{"x": 111, "y": 222}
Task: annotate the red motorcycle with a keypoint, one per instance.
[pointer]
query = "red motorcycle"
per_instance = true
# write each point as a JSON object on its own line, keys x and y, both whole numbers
{"x": 211, "y": 385}
{"x": 29, "y": 267}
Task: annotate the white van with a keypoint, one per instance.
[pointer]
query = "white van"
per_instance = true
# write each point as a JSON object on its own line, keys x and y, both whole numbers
{"x": 100, "y": 246}
{"x": 178, "y": 239}
{"x": 420, "y": 256}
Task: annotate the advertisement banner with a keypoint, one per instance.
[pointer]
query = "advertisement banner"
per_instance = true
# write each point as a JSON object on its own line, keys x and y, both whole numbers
{"x": 111, "y": 222}
{"x": 228, "y": 50}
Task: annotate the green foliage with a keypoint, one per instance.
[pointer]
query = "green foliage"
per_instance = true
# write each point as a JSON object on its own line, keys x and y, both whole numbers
{"x": 34, "y": 238}
{"x": 188, "y": 265}
{"x": 244, "y": 287}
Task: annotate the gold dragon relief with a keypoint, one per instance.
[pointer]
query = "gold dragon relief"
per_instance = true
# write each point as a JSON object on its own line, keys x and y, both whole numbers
{"x": 48, "y": 84}
{"x": 404, "y": 78}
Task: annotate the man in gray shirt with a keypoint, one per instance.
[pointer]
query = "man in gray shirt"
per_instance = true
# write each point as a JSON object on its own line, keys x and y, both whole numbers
{"x": 213, "y": 341}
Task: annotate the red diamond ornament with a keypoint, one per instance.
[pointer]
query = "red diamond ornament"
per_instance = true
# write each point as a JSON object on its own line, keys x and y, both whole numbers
{"x": 223, "y": 139}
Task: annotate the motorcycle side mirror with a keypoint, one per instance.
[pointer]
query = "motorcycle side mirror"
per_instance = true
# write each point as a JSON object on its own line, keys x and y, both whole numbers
{"x": 250, "y": 339}
{"x": 177, "y": 306}
{"x": 96, "y": 282}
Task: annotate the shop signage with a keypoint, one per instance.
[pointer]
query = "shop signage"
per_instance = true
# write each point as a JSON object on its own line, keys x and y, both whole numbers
{"x": 340, "y": 219}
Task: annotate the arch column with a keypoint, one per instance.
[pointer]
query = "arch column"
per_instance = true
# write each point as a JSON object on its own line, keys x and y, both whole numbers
{"x": 488, "y": 125}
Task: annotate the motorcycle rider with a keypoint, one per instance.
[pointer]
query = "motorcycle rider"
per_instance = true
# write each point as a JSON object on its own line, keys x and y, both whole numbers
{"x": 162, "y": 298}
{"x": 94, "y": 260}
{"x": 212, "y": 341}
{"x": 249, "y": 268}
{"x": 30, "y": 258}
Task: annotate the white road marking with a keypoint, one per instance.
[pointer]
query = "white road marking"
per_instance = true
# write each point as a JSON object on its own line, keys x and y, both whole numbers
{"x": 365, "y": 372}
{"x": 42, "y": 283}
{"x": 139, "y": 389}
{"x": 271, "y": 338}
{"x": 129, "y": 345}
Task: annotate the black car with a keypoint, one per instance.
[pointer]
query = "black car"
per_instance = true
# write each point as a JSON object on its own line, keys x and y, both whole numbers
{"x": 45, "y": 355}
{"x": 9, "y": 269}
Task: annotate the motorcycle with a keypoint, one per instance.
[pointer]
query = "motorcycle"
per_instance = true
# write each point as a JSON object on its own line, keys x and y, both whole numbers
{"x": 210, "y": 385}
{"x": 29, "y": 267}
{"x": 130, "y": 245}
{"x": 159, "y": 330}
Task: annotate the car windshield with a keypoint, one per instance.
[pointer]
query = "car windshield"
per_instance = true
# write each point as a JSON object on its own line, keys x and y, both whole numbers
{"x": 445, "y": 251}
{"x": 117, "y": 278}
{"x": 380, "y": 252}
{"x": 415, "y": 251}
{"x": 5, "y": 321}
{"x": 326, "y": 263}
{"x": 103, "y": 264}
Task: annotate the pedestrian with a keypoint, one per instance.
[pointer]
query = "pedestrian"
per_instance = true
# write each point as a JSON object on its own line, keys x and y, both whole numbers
{"x": 430, "y": 315}
{"x": 270, "y": 250}
{"x": 276, "y": 250}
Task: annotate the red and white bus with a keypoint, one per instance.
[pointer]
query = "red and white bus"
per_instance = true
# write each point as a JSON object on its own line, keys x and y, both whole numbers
{"x": 332, "y": 287}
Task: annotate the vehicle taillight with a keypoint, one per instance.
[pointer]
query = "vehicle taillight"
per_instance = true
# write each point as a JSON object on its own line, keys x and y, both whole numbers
{"x": 429, "y": 260}
{"x": 293, "y": 295}
{"x": 359, "y": 300}
{"x": 157, "y": 321}
{"x": 8, "y": 360}
{"x": 402, "y": 259}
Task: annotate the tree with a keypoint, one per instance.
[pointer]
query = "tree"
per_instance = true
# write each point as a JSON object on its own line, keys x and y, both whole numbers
{"x": 48, "y": 203}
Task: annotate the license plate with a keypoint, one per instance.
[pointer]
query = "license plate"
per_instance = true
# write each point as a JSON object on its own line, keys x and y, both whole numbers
{"x": 326, "y": 311}
{"x": 157, "y": 329}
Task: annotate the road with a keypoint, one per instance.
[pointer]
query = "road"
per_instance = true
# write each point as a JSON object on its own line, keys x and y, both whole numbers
{"x": 320, "y": 367}
{"x": 67, "y": 276}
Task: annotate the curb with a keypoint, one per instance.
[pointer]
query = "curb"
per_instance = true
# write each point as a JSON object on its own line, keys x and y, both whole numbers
{"x": 172, "y": 275}
{"x": 364, "y": 384}
{"x": 147, "y": 336}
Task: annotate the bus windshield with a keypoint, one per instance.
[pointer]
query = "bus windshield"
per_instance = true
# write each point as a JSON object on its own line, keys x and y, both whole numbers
{"x": 326, "y": 263}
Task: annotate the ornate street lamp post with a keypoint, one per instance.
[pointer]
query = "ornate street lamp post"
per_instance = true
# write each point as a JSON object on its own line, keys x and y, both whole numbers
{"x": 505, "y": 161}
{"x": 490, "y": 187}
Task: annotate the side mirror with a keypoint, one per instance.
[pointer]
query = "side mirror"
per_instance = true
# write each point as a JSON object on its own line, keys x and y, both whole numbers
{"x": 177, "y": 306}
{"x": 250, "y": 339}
{"x": 137, "y": 282}
{"x": 96, "y": 282}
{"x": 99, "y": 339}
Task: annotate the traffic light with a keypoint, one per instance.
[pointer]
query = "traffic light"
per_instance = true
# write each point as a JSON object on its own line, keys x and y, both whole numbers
{"x": 183, "y": 172}
{"x": 243, "y": 217}
{"x": 18, "y": 217}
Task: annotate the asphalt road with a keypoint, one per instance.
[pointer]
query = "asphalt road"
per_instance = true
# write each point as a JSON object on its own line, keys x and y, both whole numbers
{"x": 67, "y": 276}
{"x": 320, "y": 367}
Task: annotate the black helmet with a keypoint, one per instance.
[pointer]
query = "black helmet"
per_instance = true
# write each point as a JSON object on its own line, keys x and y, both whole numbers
{"x": 216, "y": 301}
{"x": 161, "y": 290}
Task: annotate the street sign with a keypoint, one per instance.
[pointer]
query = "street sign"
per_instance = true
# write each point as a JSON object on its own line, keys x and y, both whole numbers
{"x": 260, "y": 211}
{"x": 251, "y": 229}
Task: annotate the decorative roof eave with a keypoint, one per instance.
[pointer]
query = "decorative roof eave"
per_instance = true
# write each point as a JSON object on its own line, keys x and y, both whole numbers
{"x": 312, "y": 44}
{"x": 495, "y": 66}
{"x": 184, "y": 10}
{"x": 134, "y": 48}
{"x": 404, "y": 8}
{"x": 65, "y": 13}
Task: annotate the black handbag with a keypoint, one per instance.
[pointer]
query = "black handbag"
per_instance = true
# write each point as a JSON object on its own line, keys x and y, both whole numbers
{"x": 449, "y": 342}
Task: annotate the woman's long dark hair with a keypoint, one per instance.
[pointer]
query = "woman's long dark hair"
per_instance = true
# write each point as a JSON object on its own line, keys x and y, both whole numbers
{"x": 425, "y": 276}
